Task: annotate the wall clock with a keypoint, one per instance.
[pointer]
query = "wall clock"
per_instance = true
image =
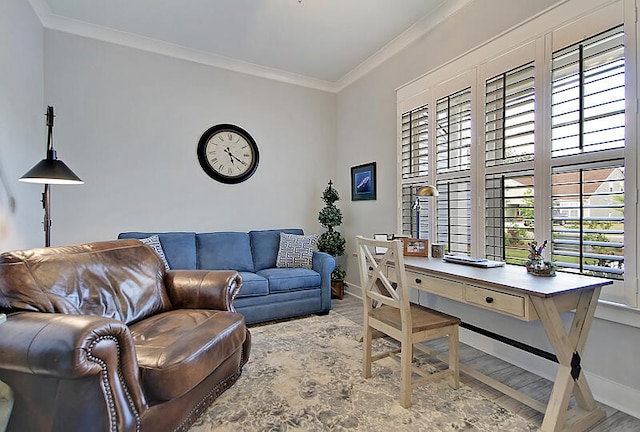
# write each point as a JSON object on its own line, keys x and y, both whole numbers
{"x": 228, "y": 153}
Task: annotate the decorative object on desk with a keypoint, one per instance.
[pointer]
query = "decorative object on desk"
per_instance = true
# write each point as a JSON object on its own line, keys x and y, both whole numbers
{"x": 50, "y": 171}
{"x": 437, "y": 250}
{"x": 416, "y": 247}
{"x": 536, "y": 265}
{"x": 427, "y": 190}
{"x": 331, "y": 241}
{"x": 381, "y": 250}
{"x": 363, "y": 182}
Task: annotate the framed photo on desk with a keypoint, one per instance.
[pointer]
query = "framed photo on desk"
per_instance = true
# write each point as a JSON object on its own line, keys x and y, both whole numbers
{"x": 416, "y": 247}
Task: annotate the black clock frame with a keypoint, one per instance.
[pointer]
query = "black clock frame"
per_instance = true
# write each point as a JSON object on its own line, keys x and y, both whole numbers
{"x": 204, "y": 162}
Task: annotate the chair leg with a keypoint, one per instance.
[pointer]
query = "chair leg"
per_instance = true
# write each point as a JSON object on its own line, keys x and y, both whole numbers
{"x": 366, "y": 351}
{"x": 454, "y": 358}
{"x": 406, "y": 354}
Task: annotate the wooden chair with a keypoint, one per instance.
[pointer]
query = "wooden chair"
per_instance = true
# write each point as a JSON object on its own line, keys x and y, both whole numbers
{"x": 396, "y": 317}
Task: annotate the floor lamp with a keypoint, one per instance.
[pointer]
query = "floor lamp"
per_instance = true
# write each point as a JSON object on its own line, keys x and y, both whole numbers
{"x": 423, "y": 191}
{"x": 50, "y": 171}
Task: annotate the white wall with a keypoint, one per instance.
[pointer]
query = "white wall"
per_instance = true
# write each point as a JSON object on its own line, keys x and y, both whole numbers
{"x": 366, "y": 132}
{"x": 128, "y": 123}
{"x": 22, "y": 124}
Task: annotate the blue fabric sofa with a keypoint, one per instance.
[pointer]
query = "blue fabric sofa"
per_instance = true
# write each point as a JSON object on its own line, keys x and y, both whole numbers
{"x": 267, "y": 292}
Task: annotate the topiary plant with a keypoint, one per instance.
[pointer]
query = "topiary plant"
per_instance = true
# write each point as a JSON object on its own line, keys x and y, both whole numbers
{"x": 331, "y": 241}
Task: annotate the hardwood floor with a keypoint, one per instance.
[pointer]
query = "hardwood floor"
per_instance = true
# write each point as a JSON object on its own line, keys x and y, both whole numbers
{"x": 520, "y": 379}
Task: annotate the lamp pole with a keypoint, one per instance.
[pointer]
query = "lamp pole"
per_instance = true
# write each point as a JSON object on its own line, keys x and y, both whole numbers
{"x": 46, "y": 195}
{"x": 50, "y": 171}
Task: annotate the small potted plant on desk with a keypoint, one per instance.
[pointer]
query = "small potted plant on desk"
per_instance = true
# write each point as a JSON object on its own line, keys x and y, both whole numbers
{"x": 331, "y": 241}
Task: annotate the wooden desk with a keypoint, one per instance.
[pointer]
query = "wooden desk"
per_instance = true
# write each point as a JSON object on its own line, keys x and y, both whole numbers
{"x": 511, "y": 291}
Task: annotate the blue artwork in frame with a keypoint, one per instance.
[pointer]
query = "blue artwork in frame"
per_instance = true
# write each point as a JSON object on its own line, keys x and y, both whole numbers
{"x": 363, "y": 182}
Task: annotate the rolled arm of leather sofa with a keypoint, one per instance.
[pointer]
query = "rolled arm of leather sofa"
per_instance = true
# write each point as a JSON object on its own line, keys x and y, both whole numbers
{"x": 203, "y": 289}
{"x": 70, "y": 348}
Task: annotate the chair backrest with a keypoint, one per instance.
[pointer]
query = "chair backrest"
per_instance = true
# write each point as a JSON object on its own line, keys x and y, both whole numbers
{"x": 376, "y": 286}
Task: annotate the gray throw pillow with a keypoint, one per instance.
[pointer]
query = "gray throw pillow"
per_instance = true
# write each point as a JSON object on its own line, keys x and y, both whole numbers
{"x": 154, "y": 242}
{"x": 296, "y": 251}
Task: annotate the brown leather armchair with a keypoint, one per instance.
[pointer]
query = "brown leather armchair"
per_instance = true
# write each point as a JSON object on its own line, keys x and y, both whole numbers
{"x": 100, "y": 337}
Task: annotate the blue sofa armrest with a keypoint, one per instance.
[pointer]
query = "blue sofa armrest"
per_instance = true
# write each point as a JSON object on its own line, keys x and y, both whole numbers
{"x": 324, "y": 264}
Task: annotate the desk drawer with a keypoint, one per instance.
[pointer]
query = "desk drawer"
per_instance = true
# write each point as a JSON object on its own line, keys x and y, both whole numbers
{"x": 496, "y": 301}
{"x": 442, "y": 287}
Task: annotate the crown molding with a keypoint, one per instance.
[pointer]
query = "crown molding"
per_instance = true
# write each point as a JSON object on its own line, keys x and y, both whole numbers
{"x": 413, "y": 33}
{"x": 55, "y": 22}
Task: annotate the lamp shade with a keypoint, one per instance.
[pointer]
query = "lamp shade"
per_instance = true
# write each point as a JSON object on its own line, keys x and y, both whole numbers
{"x": 51, "y": 171}
{"x": 428, "y": 191}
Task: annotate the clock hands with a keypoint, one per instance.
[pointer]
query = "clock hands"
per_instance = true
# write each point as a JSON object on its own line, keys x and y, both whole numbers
{"x": 232, "y": 157}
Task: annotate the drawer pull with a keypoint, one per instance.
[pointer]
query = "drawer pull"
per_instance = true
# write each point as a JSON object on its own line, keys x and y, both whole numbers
{"x": 370, "y": 268}
{"x": 418, "y": 280}
{"x": 489, "y": 299}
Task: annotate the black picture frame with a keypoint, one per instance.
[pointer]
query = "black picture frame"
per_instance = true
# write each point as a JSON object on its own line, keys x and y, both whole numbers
{"x": 363, "y": 182}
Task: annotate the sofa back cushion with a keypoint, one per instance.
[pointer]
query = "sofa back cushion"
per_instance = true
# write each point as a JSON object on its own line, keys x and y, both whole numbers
{"x": 265, "y": 245}
{"x": 224, "y": 251}
{"x": 121, "y": 279}
{"x": 179, "y": 247}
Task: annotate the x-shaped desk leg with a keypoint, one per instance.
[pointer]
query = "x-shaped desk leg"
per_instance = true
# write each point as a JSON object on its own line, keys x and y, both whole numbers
{"x": 569, "y": 378}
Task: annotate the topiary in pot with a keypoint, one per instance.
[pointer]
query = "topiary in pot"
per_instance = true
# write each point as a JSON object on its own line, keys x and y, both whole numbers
{"x": 331, "y": 241}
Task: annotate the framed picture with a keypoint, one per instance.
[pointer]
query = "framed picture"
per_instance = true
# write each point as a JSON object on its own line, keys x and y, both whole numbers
{"x": 416, "y": 247}
{"x": 381, "y": 250}
{"x": 363, "y": 182}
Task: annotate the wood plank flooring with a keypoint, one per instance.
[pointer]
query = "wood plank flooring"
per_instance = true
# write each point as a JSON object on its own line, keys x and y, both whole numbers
{"x": 532, "y": 385}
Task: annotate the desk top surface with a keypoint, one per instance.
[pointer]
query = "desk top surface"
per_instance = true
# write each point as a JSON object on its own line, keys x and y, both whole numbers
{"x": 509, "y": 277}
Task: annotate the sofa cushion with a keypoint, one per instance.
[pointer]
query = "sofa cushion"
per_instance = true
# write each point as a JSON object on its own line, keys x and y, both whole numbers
{"x": 224, "y": 251}
{"x": 265, "y": 245}
{"x": 176, "y": 350}
{"x": 154, "y": 243}
{"x": 179, "y": 247}
{"x": 296, "y": 251}
{"x": 290, "y": 279}
{"x": 253, "y": 285}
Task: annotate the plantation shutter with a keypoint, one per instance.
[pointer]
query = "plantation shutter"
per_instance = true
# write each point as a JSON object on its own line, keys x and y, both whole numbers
{"x": 415, "y": 143}
{"x": 509, "y": 216}
{"x": 588, "y": 219}
{"x": 588, "y": 95}
{"x": 453, "y": 132}
{"x": 509, "y": 116}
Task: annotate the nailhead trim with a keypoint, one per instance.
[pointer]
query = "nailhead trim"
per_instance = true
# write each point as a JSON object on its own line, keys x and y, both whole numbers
{"x": 113, "y": 414}
{"x": 202, "y": 406}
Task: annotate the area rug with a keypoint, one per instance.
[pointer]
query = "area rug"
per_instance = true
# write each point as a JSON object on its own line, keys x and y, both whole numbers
{"x": 305, "y": 375}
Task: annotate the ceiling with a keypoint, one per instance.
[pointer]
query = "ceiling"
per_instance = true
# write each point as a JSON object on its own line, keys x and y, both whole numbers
{"x": 324, "y": 44}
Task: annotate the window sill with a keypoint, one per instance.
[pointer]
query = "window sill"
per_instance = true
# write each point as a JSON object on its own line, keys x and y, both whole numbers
{"x": 618, "y": 313}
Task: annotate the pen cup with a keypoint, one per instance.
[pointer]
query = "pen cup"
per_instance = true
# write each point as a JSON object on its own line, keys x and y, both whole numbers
{"x": 437, "y": 250}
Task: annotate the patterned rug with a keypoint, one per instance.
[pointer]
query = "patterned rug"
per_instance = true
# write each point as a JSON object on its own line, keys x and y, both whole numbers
{"x": 305, "y": 375}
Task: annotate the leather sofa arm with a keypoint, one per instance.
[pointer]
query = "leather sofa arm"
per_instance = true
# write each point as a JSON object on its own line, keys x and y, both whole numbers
{"x": 41, "y": 347}
{"x": 203, "y": 289}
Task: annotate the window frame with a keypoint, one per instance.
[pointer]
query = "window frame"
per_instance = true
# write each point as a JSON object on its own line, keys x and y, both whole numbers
{"x": 537, "y": 40}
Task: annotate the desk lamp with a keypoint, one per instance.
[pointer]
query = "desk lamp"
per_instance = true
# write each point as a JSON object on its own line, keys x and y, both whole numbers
{"x": 427, "y": 190}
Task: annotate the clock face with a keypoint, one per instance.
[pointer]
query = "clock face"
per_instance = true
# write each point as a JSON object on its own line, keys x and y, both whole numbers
{"x": 228, "y": 153}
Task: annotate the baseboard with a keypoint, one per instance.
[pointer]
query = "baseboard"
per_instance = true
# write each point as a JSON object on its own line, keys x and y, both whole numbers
{"x": 611, "y": 393}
